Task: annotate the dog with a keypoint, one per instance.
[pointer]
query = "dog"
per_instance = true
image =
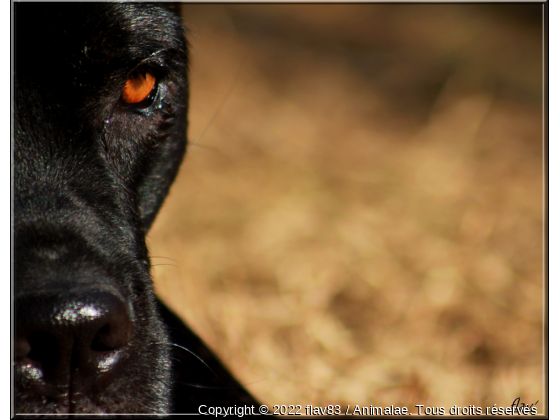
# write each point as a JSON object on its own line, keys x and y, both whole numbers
{"x": 100, "y": 119}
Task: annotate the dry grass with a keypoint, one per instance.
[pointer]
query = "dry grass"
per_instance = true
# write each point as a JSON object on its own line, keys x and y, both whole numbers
{"x": 362, "y": 223}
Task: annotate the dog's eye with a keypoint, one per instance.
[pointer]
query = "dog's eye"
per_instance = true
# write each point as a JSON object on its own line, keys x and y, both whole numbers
{"x": 139, "y": 87}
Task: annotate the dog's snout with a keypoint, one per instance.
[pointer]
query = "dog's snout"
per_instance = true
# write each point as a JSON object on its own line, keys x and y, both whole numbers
{"x": 65, "y": 336}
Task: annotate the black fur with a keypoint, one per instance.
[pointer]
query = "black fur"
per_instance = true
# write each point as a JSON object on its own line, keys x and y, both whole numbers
{"x": 90, "y": 174}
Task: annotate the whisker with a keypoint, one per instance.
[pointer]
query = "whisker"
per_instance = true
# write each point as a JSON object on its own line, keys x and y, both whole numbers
{"x": 226, "y": 96}
{"x": 198, "y": 357}
{"x": 209, "y": 386}
{"x": 212, "y": 149}
{"x": 165, "y": 258}
{"x": 200, "y": 386}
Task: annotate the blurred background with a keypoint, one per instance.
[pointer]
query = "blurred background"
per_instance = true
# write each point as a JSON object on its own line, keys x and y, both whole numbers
{"x": 359, "y": 219}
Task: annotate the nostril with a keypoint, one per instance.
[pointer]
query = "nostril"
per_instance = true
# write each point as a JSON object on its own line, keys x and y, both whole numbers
{"x": 100, "y": 341}
{"x": 43, "y": 348}
{"x": 38, "y": 347}
{"x": 23, "y": 348}
{"x": 112, "y": 336}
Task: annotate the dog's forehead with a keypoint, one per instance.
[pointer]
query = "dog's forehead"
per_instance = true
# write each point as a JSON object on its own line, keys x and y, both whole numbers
{"x": 64, "y": 39}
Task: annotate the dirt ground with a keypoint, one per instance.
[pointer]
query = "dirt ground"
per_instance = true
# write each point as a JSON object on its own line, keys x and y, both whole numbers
{"x": 359, "y": 219}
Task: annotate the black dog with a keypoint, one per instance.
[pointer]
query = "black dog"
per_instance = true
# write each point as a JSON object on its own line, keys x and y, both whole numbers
{"x": 100, "y": 122}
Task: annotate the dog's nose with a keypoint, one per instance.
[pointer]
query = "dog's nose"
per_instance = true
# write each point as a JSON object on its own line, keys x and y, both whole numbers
{"x": 65, "y": 336}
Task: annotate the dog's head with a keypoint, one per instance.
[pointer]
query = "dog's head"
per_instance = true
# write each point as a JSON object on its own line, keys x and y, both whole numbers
{"x": 100, "y": 122}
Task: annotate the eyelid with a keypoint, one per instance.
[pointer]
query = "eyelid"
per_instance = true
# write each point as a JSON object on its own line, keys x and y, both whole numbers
{"x": 138, "y": 87}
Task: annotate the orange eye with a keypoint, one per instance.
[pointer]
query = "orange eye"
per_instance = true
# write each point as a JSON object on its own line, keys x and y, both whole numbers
{"x": 138, "y": 87}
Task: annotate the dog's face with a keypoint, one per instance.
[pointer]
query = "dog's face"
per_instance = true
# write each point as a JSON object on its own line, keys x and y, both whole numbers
{"x": 100, "y": 122}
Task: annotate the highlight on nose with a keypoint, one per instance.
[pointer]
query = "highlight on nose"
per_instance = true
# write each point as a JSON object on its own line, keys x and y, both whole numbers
{"x": 138, "y": 87}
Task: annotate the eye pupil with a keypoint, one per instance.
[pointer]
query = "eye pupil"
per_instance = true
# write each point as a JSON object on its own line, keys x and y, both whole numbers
{"x": 138, "y": 87}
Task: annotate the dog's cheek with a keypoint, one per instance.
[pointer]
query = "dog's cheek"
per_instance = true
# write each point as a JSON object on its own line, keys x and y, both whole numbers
{"x": 125, "y": 144}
